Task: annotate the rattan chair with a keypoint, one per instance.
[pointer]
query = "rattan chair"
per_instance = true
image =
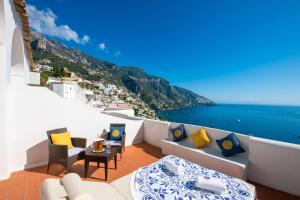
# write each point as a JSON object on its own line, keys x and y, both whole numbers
{"x": 61, "y": 154}
{"x": 119, "y": 145}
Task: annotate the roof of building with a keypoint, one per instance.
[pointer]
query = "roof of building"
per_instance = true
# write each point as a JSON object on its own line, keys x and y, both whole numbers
{"x": 20, "y": 8}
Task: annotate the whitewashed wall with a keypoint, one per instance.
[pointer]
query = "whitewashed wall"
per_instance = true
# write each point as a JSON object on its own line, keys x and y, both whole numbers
{"x": 34, "y": 78}
{"x": 155, "y": 131}
{"x": 33, "y": 110}
{"x": 128, "y": 112}
{"x": 3, "y": 164}
{"x": 9, "y": 23}
{"x": 275, "y": 164}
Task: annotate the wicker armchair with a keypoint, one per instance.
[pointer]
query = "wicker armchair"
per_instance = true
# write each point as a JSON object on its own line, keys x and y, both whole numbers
{"x": 61, "y": 154}
{"x": 119, "y": 145}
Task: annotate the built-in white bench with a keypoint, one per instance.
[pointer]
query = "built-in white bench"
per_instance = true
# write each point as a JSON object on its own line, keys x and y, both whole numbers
{"x": 209, "y": 156}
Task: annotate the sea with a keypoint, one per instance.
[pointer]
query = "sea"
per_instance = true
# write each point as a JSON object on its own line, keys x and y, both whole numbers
{"x": 280, "y": 123}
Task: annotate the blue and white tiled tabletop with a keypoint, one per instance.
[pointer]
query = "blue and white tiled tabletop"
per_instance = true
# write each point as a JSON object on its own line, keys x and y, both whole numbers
{"x": 155, "y": 182}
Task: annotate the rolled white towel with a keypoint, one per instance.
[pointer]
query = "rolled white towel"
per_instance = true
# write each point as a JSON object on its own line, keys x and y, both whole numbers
{"x": 74, "y": 187}
{"x": 211, "y": 184}
{"x": 178, "y": 170}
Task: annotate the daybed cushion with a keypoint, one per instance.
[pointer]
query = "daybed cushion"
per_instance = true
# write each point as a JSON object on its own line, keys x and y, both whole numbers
{"x": 122, "y": 185}
{"x": 103, "y": 190}
{"x": 52, "y": 189}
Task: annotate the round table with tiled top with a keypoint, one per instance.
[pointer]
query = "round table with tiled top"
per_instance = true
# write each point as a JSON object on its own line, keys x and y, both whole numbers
{"x": 103, "y": 157}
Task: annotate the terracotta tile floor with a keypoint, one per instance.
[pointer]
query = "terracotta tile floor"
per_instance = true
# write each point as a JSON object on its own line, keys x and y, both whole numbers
{"x": 25, "y": 184}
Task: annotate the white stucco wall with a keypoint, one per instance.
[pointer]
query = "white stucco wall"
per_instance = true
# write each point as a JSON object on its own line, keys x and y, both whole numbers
{"x": 70, "y": 91}
{"x": 2, "y": 22}
{"x": 3, "y": 166}
{"x": 9, "y": 23}
{"x": 34, "y": 78}
{"x": 155, "y": 131}
{"x": 275, "y": 164}
{"x": 128, "y": 112}
{"x": 14, "y": 55}
{"x": 33, "y": 110}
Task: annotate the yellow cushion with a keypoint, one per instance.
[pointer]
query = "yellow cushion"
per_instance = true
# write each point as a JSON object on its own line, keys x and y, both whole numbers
{"x": 200, "y": 138}
{"x": 62, "y": 138}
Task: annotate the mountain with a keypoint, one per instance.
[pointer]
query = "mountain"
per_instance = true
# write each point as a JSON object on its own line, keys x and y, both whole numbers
{"x": 156, "y": 92}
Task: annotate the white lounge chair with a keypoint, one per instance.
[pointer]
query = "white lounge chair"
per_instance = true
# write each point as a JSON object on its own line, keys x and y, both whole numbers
{"x": 71, "y": 187}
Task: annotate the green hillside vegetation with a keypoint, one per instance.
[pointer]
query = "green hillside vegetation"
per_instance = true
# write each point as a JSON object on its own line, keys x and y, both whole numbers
{"x": 157, "y": 92}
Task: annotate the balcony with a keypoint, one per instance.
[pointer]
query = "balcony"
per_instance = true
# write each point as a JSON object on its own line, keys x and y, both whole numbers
{"x": 30, "y": 111}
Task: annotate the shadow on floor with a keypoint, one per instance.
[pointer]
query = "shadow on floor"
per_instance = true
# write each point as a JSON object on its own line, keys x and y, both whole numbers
{"x": 149, "y": 149}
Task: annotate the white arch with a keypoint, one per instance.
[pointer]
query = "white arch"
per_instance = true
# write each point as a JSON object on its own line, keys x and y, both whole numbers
{"x": 17, "y": 54}
{"x": 2, "y": 22}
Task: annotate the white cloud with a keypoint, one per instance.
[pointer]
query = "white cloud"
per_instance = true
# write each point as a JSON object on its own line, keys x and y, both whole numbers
{"x": 117, "y": 53}
{"x": 44, "y": 21}
{"x": 102, "y": 46}
{"x": 85, "y": 39}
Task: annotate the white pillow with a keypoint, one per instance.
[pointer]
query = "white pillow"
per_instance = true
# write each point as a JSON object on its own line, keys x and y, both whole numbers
{"x": 74, "y": 187}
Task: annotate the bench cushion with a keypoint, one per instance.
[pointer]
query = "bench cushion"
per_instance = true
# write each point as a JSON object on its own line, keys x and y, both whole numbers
{"x": 208, "y": 157}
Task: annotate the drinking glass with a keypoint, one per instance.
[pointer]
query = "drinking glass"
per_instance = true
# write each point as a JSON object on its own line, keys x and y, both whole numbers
{"x": 108, "y": 145}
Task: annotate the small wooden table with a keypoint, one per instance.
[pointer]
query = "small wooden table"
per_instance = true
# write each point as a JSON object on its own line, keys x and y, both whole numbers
{"x": 103, "y": 157}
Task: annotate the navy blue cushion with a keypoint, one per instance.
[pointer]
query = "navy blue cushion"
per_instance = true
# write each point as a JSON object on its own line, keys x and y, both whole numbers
{"x": 178, "y": 133}
{"x": 230, "y": 145}
{"x": 116, "y": 133}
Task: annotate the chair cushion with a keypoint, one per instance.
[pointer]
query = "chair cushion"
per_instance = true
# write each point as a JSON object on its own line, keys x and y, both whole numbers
{"x": 116, "y": 133}
{"x": 200, "y": 138}
{"x": 114, "y": 143}
{"x": 74, "y": 151}
{"x": 178, "y": 133}
{"x": 230, "y": 145}
{"x": 62, "y": 139}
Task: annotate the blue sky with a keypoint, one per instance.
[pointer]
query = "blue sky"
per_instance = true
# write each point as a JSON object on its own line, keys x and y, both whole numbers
{"x": 229, "y": 51}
